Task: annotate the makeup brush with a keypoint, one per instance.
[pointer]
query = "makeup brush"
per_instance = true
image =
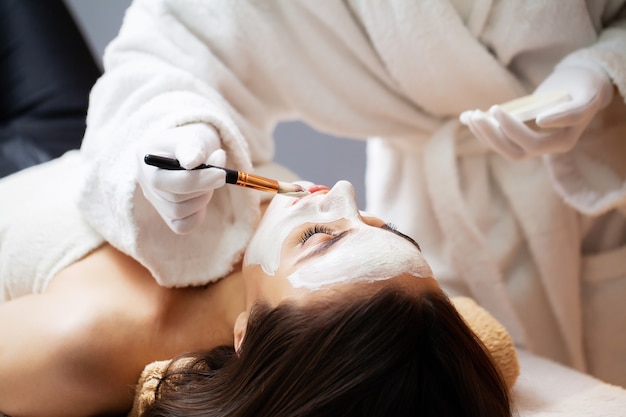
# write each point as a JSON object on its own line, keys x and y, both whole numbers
{"x": 241, "y": 179}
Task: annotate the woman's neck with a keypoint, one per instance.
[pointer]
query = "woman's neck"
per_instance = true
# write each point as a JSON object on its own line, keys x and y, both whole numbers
{"x": 207, "y": 314}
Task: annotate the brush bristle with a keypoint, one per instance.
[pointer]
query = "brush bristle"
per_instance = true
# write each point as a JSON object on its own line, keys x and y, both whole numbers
{"x": 291, "y": 189}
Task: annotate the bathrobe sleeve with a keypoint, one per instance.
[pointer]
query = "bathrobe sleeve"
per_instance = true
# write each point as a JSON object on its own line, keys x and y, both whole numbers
{"x": 592, "y": 177}
{"x": 158, "y": 75}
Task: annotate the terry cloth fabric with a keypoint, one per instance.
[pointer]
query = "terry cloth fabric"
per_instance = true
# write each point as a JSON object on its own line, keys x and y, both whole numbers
{"x": 493, "y": 334}
{"x": 41, "y": 229}
{"x": 508, "y": 234}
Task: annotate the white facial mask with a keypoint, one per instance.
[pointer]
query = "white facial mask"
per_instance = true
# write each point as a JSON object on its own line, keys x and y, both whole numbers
{"x": 280, "y": 219}
{"x": 367, "y": 253}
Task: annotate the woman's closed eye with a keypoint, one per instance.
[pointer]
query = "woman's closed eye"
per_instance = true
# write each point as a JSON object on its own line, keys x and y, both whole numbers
{"x": 314, "y": 230}
{"x": 318, "y": 239}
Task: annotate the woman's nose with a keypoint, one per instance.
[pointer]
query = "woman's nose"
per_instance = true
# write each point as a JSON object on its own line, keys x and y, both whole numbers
{"x": 341, "y": 198}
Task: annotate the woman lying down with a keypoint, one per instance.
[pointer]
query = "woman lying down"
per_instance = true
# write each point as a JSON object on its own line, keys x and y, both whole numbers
{"x": 331, "y": 313}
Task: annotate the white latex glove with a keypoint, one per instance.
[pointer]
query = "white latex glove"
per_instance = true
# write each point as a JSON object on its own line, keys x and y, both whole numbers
{"x": 559, "y": 126}
{"x": 181, "y": 197}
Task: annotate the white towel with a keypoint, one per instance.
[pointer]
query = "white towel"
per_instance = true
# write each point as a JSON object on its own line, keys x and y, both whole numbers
{"x": 547, "y": 389}
{"x": 41, "y": 229}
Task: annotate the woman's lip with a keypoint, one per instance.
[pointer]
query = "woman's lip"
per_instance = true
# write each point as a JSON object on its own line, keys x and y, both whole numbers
{"x": 312, "y": 190}
{"x": 315, "y": 188}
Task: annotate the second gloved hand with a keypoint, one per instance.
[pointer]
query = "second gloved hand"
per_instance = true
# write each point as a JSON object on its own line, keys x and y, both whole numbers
{"x": 559, "y": 127}
{"x": 181, "y": 197}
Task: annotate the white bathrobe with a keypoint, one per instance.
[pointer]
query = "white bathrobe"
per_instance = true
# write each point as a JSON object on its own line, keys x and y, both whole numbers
{"x": 508, "y": 234}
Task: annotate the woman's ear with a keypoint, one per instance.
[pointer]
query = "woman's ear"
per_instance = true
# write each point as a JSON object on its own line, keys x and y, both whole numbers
{"x": 240, "y": 329}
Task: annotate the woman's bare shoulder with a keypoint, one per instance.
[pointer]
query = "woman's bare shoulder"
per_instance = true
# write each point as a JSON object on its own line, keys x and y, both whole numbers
{"x": 84, "y": 340}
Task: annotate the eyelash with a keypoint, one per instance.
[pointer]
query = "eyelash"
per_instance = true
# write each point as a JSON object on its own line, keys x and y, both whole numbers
{"x": 393, "y": 228}
{"x": 313, "y": 230}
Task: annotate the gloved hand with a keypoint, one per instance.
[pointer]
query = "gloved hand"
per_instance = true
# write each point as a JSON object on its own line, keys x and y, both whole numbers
{"x": 180, "y": 197}
{"x": 560, "y": 126}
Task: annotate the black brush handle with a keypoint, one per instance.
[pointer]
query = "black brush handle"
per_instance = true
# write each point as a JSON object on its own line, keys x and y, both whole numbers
{"x": 172, "y": 164}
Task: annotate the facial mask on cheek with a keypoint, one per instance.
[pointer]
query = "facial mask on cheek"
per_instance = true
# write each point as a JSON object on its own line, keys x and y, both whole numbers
{"x": 266, "y": 244}
{"x": 280, "y": 219}
{"x": 367, "y": 255}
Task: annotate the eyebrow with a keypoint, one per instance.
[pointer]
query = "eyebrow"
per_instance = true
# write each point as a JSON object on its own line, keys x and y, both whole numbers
{"x": 390, "y": 227}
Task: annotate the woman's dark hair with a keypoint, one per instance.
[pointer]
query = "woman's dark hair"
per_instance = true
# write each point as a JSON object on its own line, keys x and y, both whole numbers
{"x": 387, "y": 354}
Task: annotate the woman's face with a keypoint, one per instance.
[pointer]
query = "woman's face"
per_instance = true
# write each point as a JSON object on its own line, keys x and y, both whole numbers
{"x": 322, "y": 241}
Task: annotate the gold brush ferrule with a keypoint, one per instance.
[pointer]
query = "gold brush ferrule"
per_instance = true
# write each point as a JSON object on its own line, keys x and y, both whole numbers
{"x": 257, "y": 182}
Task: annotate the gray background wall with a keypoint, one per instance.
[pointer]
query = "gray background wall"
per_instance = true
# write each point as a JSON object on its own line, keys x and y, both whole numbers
{"x": 316, "y": 157}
